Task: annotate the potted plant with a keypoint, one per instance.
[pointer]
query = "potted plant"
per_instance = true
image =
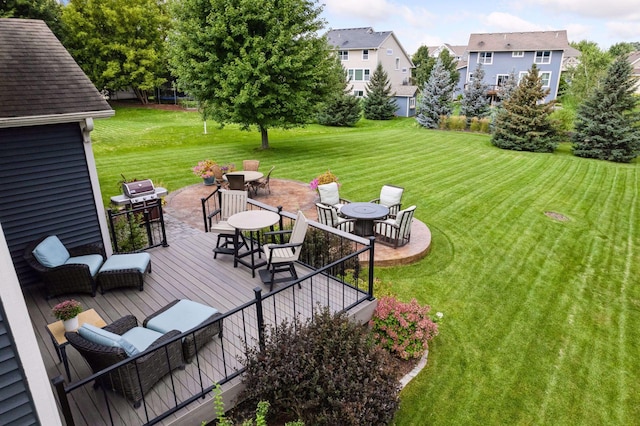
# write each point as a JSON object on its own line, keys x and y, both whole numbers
{"x": 68, "y": 311}
{"x": 206, "y": 170}
{"x": 326, "y": 177}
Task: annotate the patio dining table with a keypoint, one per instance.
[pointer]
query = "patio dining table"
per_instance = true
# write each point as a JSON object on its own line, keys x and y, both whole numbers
{"x": 252, "y": 221}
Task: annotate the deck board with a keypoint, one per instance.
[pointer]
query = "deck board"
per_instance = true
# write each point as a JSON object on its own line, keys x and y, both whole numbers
{"x": 184, "y": 270}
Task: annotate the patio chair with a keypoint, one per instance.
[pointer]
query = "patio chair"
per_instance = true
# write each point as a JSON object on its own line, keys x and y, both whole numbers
{"x": 230, "y": 202}
{"x": 390, "y": 196}
{"x": 104, "y": 347}
{"x": 282, "y": 257}
{"x": 328, "y": 216}
{"x": 262, "y": 183}
{"x": 250, "y": 165}
{"x": 236, "y": 182}
{"x": 63, "y": 270}
{"x": 396, "y": 231}
{"x": 330, "y": 196}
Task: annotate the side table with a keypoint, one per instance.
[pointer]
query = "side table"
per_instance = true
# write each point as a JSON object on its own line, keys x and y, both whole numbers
{"x": 56, "y": 331}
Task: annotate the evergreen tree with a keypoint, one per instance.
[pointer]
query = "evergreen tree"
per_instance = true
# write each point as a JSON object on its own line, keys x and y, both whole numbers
{"x": 608, "y": 125}
{"x": 435, "y": 100}
{"x": 424, "y": 63}
{"x": 524, "y": 124}
{"x": 508, "y": 87}
{"x": 474, "y": 99}
{"x": 379, "y": 105}
{"x": 343, "y": 109}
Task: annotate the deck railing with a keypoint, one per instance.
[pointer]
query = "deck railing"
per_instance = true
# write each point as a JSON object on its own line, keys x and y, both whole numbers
{"x": 334, "y": 278}
{"x": 138, "y": 227}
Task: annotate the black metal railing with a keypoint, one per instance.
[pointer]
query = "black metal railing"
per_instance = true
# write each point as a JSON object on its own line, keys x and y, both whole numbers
{"x": 138, "y": 227}
{"x": 329, "y": 280}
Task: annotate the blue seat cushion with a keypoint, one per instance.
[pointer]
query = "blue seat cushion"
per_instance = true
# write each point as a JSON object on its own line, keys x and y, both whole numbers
{"x": 51, "y": 252}
{"x": 117, "y": 262}
{"x": 183, "y": 316}
{"x": 99, "y": 336}
{"x": 93, "y": 261}
{"x": 138, "y": 339}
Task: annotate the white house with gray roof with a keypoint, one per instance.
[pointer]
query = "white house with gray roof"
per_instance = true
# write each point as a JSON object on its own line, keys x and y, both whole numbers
{"x": 361, "y": 49}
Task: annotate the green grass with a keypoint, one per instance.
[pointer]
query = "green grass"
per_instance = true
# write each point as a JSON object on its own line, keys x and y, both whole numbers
{"x": 542, "y": 317}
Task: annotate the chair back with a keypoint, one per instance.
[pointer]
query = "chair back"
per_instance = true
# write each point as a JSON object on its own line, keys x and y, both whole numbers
{"x": 236, "y": 182}
{"x": 232, "y": 202}
{"x": 390, "y": 195}
{"x": 327, "y": 215}
{"x": 299, "y": 230}
{"x": 217, "y": 172}
{"x": 403, "y": 221}
{"x": 329, "y": 193}
{"x": 269, "y": 174}
{"x": 250, "y": 165}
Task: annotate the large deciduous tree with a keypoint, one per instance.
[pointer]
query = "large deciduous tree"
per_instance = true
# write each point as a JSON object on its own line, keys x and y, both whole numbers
{"x": 379, "y": 104}
{"x": 254, "y": 63}
{"x": 585, "y": 76}
{"x": 436, "y": 96}
{"x": 475, "y": 102}
{"x": 424, "y": 63}
{"x": 608, "y": 124}
{"x": 119, "y": 44}
{"x": 49, "y": 11}
{"x": 524, "y": 123}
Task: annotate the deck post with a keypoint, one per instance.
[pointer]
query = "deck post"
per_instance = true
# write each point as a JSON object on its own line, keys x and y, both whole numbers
{"x": 372, "y": 241}
{"x": 58, "y": 383}
{"x": 260, "y": 317}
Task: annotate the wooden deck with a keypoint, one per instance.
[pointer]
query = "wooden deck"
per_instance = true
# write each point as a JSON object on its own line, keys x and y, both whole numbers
{"x": 184, "y": 270}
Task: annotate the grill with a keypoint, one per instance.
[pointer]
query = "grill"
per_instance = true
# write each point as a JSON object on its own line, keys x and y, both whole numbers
{"x": 136, "y": 192}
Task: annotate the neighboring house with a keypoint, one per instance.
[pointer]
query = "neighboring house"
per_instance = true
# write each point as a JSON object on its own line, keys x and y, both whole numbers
{"x": 634, "y": 60}
{"x": 500, "y": 53}
{"x": 48, "y": 184}
{"x": 361, "y": 49}
{"x": 459, "y": 53}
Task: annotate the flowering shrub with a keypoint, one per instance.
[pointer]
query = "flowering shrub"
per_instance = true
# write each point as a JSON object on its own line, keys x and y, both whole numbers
{"x": 204, "y": 168}
{"x": 326, "y": 177}
{"x": 403, "y": 328}
{"x": 67, "y": 309}
{"x": 226, "y": 168}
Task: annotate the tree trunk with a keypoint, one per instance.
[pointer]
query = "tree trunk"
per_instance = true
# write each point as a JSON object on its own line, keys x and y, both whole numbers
{"x": 141, "y": 95}
{"x": 265, "y": 137}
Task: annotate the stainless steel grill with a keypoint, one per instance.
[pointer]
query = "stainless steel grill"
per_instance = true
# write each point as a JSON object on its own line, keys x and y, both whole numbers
{"x": 137, "y": 192}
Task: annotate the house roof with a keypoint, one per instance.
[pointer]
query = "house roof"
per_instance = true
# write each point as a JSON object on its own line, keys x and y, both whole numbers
{"x": 357, "y": 38}
{"x": 38, "y": 77}
{"x": 634, "y": 60}
{"x": 405, "y": 90}
{"x": 524, "y": 41}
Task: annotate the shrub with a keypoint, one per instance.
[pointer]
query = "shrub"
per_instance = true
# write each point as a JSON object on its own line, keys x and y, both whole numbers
{"x": 403, "y": 328}
{"x": 324, "y": 371}
{"x": 474, "y": 126}
{"x": 130, "y": 233}
{"x": 457, "y": 122}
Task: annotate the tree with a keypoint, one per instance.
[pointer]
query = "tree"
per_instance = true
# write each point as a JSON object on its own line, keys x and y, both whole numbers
{"x": 623, "y": 48}
{"x": 508, "y": 87}
{"x": 424, "y": 63}
{"x": 435, "y": 99}
{"x": 119, "y": 44}
{"x": 524, "y": 123}
{"x": 584, "y": 77}
{"x": 253, "y": 63}
{"x": 49, "y": 11}
{"x": 608, "y": 125}
{"x": 342, "y": 109}
{"x": 379, "y": 104}
{"x": 474, "y": 99}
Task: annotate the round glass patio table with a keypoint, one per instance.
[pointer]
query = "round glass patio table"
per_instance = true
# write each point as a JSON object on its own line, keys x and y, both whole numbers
{"x": 364, "y": 214}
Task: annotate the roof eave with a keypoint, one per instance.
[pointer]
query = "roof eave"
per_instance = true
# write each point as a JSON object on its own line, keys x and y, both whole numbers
{"x": 42, "y": 120}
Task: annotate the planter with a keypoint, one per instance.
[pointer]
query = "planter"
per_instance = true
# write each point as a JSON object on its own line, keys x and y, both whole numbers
{"x": 208, "y": 181}
{"x": 71, "y": 324}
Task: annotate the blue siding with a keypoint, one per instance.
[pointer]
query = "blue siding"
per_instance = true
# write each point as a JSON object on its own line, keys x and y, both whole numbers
{"x": 402, "y": 109}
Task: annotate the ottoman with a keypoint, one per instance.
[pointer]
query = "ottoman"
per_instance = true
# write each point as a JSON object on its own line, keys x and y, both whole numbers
{"x": 124, "y": 270}
{"x": 185, "y": 315}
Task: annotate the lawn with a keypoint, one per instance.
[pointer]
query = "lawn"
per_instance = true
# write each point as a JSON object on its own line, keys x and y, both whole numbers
{"x": 541, "y": 312}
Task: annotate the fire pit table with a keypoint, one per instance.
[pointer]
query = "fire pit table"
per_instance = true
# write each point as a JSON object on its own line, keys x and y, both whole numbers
{"x": 364, "y": 214}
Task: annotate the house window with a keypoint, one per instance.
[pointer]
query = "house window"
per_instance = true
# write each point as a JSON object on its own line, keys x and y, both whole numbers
{"x": 343, "y": 54}
{"x": 543, "y": 57}
{"x": 358, "y": 93}
{"x": 397, "y": 63}
{"x": 389, "y": 52}
{"x": 357, "y": 74}
{"x": 545, "y": 76}
{"x": 404, "y": 70}
{"x": 412, "y": 103}
{"x": 517, "y": 54}
{"x": 485, "y": 58}
{"x": 365, "y": 54}
{"x": 501, "y": 79}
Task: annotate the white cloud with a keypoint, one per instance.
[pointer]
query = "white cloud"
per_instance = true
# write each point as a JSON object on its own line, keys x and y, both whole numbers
{"x": 577, "y": 32}
{"x": 366, "y": 10}
{"x": 505, "y": 22}
{"x": 627, "y": 31}
{"x": 621, "y": 9}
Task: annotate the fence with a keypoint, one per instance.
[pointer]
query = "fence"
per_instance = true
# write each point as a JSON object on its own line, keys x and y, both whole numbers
{"x": 138, "y": 227}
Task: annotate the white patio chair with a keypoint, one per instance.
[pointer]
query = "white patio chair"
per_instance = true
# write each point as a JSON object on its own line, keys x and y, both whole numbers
{"x": 328, "y": 216}
{"x": 396, "y": 231}
{"x": 282, "y": 257}
{"x": 330, "y": 195}
{"x": 390, "y": 196}
{"x": 231, "y": 202}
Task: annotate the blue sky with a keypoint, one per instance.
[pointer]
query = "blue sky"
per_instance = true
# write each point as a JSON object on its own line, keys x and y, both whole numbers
{"x": 424, "y": 22}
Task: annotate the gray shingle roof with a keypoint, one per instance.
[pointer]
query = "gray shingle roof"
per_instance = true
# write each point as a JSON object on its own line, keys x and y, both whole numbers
{"x": 357, "y": 38}
{"x": 405, "y": 90}
{"x": 525, "y": 41}
{"x": 38, "y": 76}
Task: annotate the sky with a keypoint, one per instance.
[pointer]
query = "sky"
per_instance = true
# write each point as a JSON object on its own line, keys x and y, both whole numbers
{"x": 432, "y": 23}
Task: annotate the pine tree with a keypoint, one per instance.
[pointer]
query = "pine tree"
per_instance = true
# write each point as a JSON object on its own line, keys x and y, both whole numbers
{"x": 508, "y": 87}
{"x": 524, "y": 124}
{"x": 474, "y": 99}
{"x": 379, "y": 104}
{"x": 435, "y": 100}
{"x": 607, "y": 126}
{"x": 343, "y": 109}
